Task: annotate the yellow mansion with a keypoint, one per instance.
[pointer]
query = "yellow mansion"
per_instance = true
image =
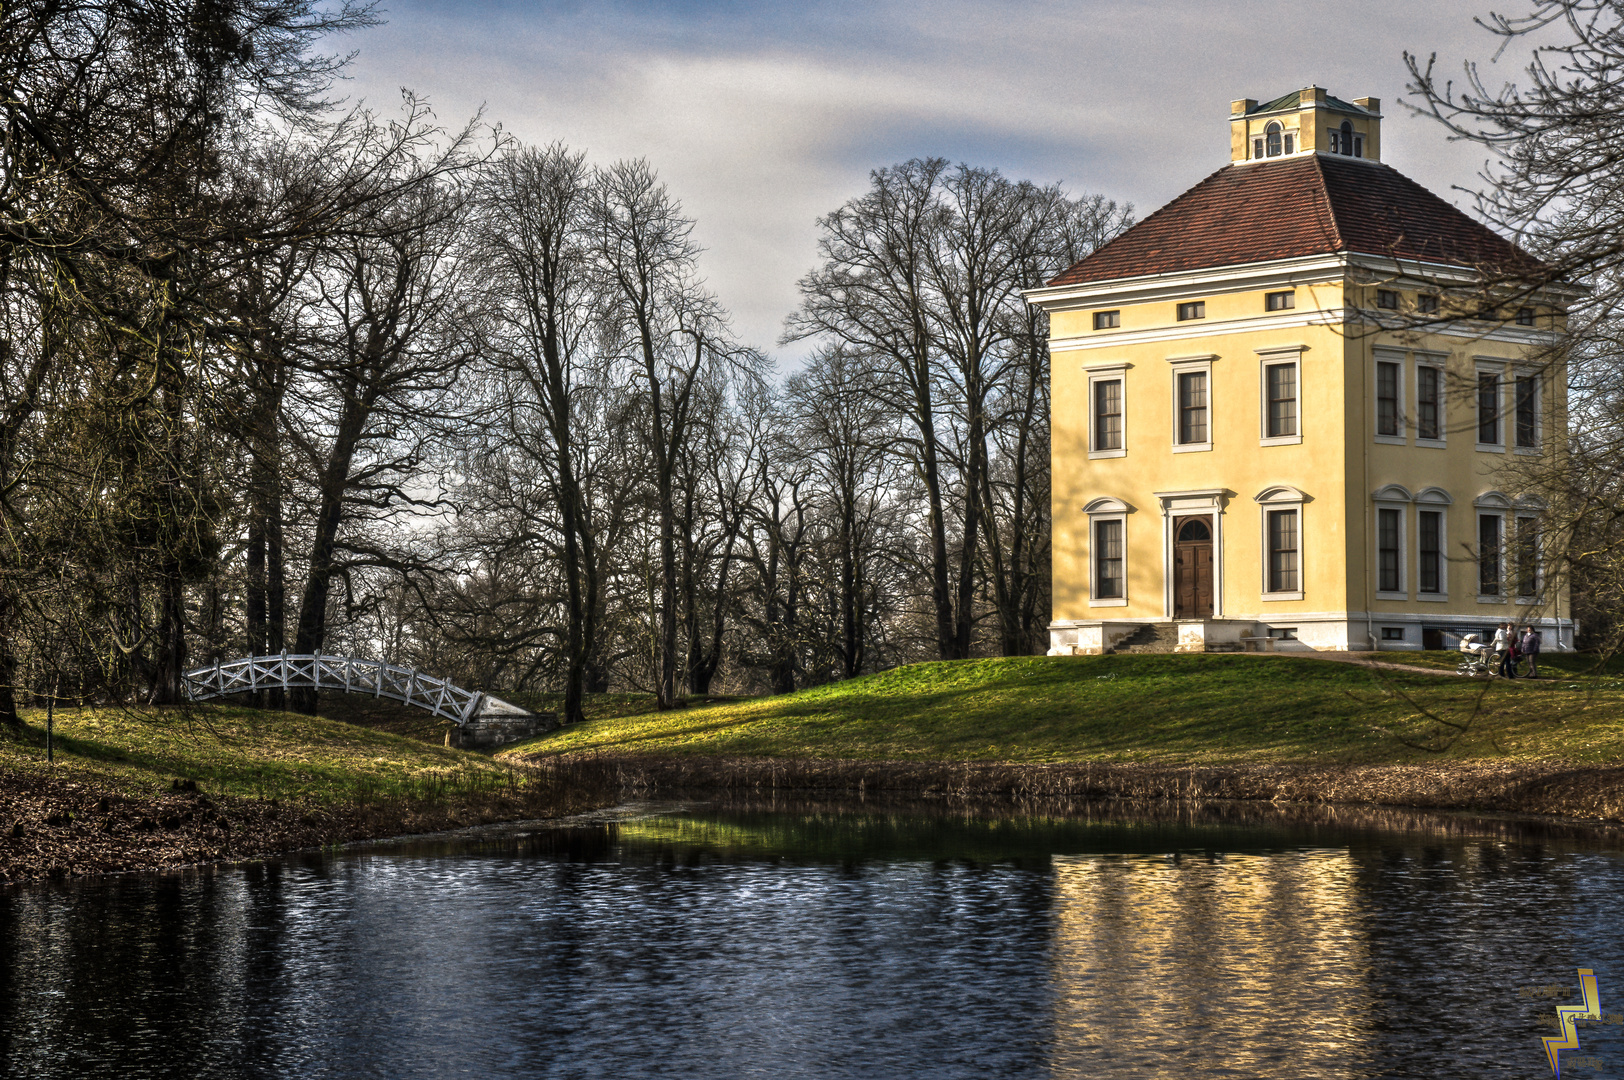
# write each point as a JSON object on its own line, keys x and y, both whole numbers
{"x": 1266, "y": 426}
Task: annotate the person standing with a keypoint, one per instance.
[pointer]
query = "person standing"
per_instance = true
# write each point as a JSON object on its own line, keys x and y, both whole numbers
{"x": 1505, "y": 643}
{"x": 1529, "y": 647}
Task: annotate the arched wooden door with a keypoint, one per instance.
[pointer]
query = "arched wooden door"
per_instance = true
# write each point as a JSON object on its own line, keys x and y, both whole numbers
{"x": 1192, "y": 568}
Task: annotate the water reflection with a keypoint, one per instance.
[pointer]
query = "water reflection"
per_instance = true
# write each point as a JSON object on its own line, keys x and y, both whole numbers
{"x": 824, "y": 940}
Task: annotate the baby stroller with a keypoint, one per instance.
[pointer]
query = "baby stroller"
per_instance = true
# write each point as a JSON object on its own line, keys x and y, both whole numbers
{"x": 1477, "y": 658}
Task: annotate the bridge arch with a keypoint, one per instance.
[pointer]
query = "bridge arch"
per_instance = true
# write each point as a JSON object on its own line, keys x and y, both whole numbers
{"x": 349, "y": 675}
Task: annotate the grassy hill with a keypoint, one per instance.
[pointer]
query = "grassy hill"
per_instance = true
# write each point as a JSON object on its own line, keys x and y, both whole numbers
{"x": 248, "y": 752}
{"x": 1139, "y": 708}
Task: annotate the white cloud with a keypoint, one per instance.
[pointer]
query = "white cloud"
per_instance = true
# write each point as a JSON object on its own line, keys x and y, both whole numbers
{"x": 763, "y": 117}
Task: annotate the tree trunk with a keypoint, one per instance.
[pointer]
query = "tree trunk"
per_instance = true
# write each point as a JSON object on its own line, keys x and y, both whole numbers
{"x": 8, "y": 668}
{"x": 312, "y": 628}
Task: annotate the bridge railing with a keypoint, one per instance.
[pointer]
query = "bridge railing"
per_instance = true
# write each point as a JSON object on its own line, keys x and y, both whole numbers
{"x": 348, "y": 674}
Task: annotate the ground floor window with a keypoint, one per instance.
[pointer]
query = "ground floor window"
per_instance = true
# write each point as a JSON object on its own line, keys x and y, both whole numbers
{"x": 1282, "y": 569}
{"x": 1527, "y": 556}
{"x": 1389, "y": 527}
{"x": 1430, "y": 550}
{"x": 1108, "y": 577}
{"x": 1488, "y": 554}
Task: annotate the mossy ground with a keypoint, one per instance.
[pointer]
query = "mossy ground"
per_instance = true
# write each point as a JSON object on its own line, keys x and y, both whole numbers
{"x": 1141, "y": 708}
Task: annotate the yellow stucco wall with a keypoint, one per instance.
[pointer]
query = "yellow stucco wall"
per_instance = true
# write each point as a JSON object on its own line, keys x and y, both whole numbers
{"x": 1338, "y": 463}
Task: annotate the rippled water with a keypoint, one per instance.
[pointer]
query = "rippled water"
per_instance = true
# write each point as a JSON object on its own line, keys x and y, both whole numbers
{"x": 735, "y": 941}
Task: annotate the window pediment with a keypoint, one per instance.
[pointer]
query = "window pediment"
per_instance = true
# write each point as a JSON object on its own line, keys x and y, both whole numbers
{"x": 1492, "y": 500}
{"x": 1393, "y": 493}
{"x": 1107, "y": 505}
{"x": 1281, "y": 493}
{"x": 1435, "y": 495}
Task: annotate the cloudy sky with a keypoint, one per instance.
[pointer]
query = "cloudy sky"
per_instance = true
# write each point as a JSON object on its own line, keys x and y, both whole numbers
{"x": 762, "y": 116}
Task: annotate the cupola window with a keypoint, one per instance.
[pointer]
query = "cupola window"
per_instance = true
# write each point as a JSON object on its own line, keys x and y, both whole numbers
{"x": 1346, "y": 142}
{"x": 1276, "y": 140}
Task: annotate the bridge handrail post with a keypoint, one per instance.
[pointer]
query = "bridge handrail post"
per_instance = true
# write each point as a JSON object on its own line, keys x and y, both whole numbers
{"x": 284, "y": 670}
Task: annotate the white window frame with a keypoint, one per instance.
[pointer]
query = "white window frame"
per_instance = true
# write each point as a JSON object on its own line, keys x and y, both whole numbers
{"x": 1107, "y": 509}
{"x": 1433, "y": 500}
{"x": 1379, "y": 356}
{"x": 1188, "y": 365}
{"x": 1392, "y": 497}
{"x": 1107, "y": 373}
{"x": 1490, "y": 504}
{"x": 1282, "y": 497}
{"x": 1539, "y": 413}
{"x": 1268, "y": 358}
{"x": 1437, "y": 362}
{"x": 1534, "y": 509}
{"x": 1497, "y": 368}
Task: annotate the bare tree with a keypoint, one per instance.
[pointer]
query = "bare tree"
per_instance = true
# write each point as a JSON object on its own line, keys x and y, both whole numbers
{"x": 1554, "y": 180}
{"x": 373, "y": 400}
{"x": 922, "y": 277}
{"x": 675, "y": 334}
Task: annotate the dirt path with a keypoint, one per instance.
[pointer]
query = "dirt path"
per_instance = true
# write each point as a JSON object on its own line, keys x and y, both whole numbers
{"x": 1360, "y": 658}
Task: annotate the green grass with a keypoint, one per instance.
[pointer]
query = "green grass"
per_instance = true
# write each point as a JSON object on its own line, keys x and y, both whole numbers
{"x": 250, "y": 752}
{"x": 1151, "y": 708}
{"x": 1550, "y": 663}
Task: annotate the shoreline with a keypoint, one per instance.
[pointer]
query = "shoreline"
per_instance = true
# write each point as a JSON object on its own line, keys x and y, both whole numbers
{"x": 59, "y": 827}
{"x": 1553, "y": 789}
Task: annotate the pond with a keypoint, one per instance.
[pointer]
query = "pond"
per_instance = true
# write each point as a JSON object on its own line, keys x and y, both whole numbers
{"x": 736, "y": 939}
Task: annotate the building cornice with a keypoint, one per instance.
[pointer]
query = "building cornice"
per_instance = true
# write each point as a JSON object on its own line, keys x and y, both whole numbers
{"x": 1150, "y": 288}
{"x": 1508, "y": 334}
{"x": 1258, "y": 276}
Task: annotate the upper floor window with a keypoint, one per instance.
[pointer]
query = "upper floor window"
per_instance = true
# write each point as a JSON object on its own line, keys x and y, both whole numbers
{"x": 1279, "y": 301}
{"x": 1107, "y": 320}
{"x": 1280, "y": 393}
{"x": 1387, "y": 298}
{"x": 1527, "y": 398}
{"x": 1192, "y": 391}
{"x": 1426, "y": 303}
{"x": 1428, "y": 402}
{"x": 1387, "y": 403}
{"x": 1194, "y": 310}
{"x": 1525, "y": 316}
{"x": 1108, "y": 414}
{"x": 1488, "y": 408}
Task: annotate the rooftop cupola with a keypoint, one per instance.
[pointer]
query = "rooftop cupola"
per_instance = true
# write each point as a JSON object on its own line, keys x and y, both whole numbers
{"x": 1307, "y": 121}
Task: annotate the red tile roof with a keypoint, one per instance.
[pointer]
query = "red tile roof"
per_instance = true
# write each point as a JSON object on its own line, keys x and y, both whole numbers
{"x": 1315, "y": 204}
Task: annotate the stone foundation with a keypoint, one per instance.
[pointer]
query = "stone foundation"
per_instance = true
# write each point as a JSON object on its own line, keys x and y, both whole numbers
{"x": 498, "y": 723}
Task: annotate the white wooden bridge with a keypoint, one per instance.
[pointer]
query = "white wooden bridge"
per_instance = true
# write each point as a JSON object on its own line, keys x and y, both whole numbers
{"x": 470, "y": 710}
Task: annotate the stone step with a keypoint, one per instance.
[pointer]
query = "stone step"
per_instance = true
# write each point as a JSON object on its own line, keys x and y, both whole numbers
{"x": 1150, "y": 638}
